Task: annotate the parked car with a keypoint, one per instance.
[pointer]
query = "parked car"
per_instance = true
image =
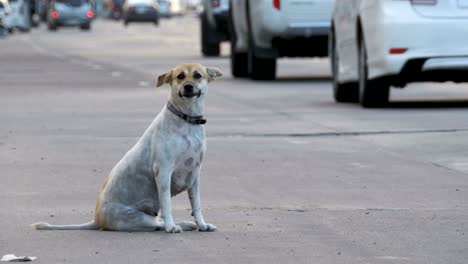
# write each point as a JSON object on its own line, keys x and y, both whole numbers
{"x": 164, "y": 8}
{"x": 70, "y": 13}
{"x": 178, "y": 7}
{"x": 116, "y": 9}
{"x": 141, "y": 11}
{"x": 19, "y": 16}
{"x": 264, "y": 30}
{"x": 376, "y": 44}
{"x": 214, "y": 26}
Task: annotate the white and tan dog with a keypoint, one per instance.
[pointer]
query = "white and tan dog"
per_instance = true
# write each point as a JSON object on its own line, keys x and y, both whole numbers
{"x": 164, "y": 162}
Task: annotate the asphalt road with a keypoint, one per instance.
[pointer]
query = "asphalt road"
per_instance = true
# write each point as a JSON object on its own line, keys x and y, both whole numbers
{"x": 289, "y": 177}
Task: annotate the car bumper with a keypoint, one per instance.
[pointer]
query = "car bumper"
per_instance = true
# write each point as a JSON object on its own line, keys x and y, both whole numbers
{"x": 269, "y": 23}
{"x": 440, "y": 43}
{"x": 72, "y": 21}
{"x": 148, "y": 16}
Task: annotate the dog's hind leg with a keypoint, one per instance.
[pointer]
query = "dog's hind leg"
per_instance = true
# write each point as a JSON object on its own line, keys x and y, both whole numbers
{"x": 126, "y": 218}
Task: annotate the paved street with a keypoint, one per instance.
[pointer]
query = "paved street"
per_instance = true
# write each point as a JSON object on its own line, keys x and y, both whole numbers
{"x": 289, "y": 177}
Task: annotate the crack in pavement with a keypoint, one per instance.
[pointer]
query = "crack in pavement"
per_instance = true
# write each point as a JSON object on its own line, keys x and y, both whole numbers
{"x": 338, "y": 134}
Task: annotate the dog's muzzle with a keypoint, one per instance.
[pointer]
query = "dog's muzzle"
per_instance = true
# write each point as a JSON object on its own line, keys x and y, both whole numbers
{"x": 189, "y": 91}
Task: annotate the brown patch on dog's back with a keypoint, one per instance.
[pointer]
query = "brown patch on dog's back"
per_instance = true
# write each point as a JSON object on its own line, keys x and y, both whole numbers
{"x": 98, "y": 219}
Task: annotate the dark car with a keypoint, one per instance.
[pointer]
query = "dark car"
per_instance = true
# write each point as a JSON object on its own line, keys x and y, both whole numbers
{"x": 70, "y": 13}
{"x": 214, "y": 26}
{"x": 141, "y": 11}
{"x": 116, "y": 8}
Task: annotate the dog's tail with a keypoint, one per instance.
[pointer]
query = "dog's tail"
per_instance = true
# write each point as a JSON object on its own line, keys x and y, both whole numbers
{"x": 46, "y": 226}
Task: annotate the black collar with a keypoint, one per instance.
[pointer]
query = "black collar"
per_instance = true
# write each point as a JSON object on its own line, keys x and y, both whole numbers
{"x": 194, "y": 120}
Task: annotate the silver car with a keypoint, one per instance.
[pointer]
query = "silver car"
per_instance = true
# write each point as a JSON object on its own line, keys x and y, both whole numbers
{"x": 70, "y": 13}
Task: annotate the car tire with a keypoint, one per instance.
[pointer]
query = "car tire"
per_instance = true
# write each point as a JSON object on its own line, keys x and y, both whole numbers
{"x": 372, "y": 93}
{"x": 24, "y": 30}
{"x": 342, "y": 92}
{"x": 86, "y": 26}
{"x": 260, "y": 68}
{"x": 209, "y": 39}
{"x": 239, "y": 60}
{"x": 156, "y": 22}
{"x": 263, "y": 69}
{"x": 51, "y": 26}
{"x": 126, "y": 22}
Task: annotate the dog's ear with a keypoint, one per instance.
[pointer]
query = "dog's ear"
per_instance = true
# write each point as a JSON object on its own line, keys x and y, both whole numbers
{"x": 213, "y": 73}
{"x": 165, "y": 78}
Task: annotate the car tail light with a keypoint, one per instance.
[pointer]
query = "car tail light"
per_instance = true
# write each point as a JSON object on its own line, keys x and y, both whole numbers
{"x": 215, "y": 3}
{"x": 111, "y": 6}
{"x": 90, "y": 14}
{"x": 424, "y": 2}
{"x": 130, "y": 9}
{"x": 277, "y": 4}
{"x": 55, "y": 15}
{"x": 395, "y": 51}
{"x": 153, "y": 8}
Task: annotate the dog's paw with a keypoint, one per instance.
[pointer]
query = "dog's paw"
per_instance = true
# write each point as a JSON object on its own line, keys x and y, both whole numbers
{"x": 206, "y": 228}
{"x": 173, "y": 228}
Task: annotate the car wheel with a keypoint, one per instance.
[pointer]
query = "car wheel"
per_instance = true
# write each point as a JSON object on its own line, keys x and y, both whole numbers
{"x": 239, "y": 60}
{"x": 126, "y": 22}
{"x": 156, "y": 22}
{"x": 24, "y": 30}
{"x": 51, "y": 26}
{"x": 347, "y": 92}
{"x": 260, "y": 68}
{"x": 86, "y": 26}
{"x": 372, "y": 93}
{"x": 209, "y": 41}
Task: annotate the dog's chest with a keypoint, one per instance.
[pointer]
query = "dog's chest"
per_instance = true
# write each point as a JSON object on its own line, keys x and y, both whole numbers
{"x": 188, "y": 163}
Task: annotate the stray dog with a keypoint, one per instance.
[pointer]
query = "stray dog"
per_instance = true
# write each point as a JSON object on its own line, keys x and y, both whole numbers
{"x": 164, "y": 162}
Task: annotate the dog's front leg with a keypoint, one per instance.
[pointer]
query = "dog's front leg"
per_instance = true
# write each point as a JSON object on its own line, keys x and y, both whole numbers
{"x": 194, "y": 196}
{"x": 163, "y": 181}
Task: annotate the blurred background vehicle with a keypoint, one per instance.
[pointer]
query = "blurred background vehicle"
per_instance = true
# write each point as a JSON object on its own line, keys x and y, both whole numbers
{"x": 164, "y": 8}
{"x": 214, "y": 26}
{"x": 141, "y": 11}
{"x": 70, "y": 13}
{"x": 116, "y": 9}
{"x": 42, "y": 8}
{"x": 19, "y": 16}
{"x": 379, "y": 43}
{"x": 264, "y": 30}
{"x": 178, "y": 7}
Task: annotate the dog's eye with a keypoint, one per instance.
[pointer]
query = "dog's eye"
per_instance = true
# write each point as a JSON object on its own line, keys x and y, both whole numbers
{"x": 181, "y": 76}
{"x": 197, "y": 76}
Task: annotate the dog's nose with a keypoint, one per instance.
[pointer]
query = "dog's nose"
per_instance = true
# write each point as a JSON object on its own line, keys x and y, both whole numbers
{"x": 188, "y": 87}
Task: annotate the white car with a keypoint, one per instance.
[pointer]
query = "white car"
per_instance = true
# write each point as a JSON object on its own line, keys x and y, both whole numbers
{"x": 375, "y": 44}
{"x": 178, "y": 7}
{"x": 264, "y": 30}
{"x": 19, "y": 16}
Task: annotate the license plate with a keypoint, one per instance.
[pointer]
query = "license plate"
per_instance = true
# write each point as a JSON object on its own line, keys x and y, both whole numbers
{"x": 463, "y": 3}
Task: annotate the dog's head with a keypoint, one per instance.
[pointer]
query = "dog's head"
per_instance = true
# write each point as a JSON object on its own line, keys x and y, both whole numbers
{"x": 189, "y": 81}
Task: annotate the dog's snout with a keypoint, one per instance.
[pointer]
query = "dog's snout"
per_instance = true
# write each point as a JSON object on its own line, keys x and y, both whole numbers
{"x": 188, "y": 87}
